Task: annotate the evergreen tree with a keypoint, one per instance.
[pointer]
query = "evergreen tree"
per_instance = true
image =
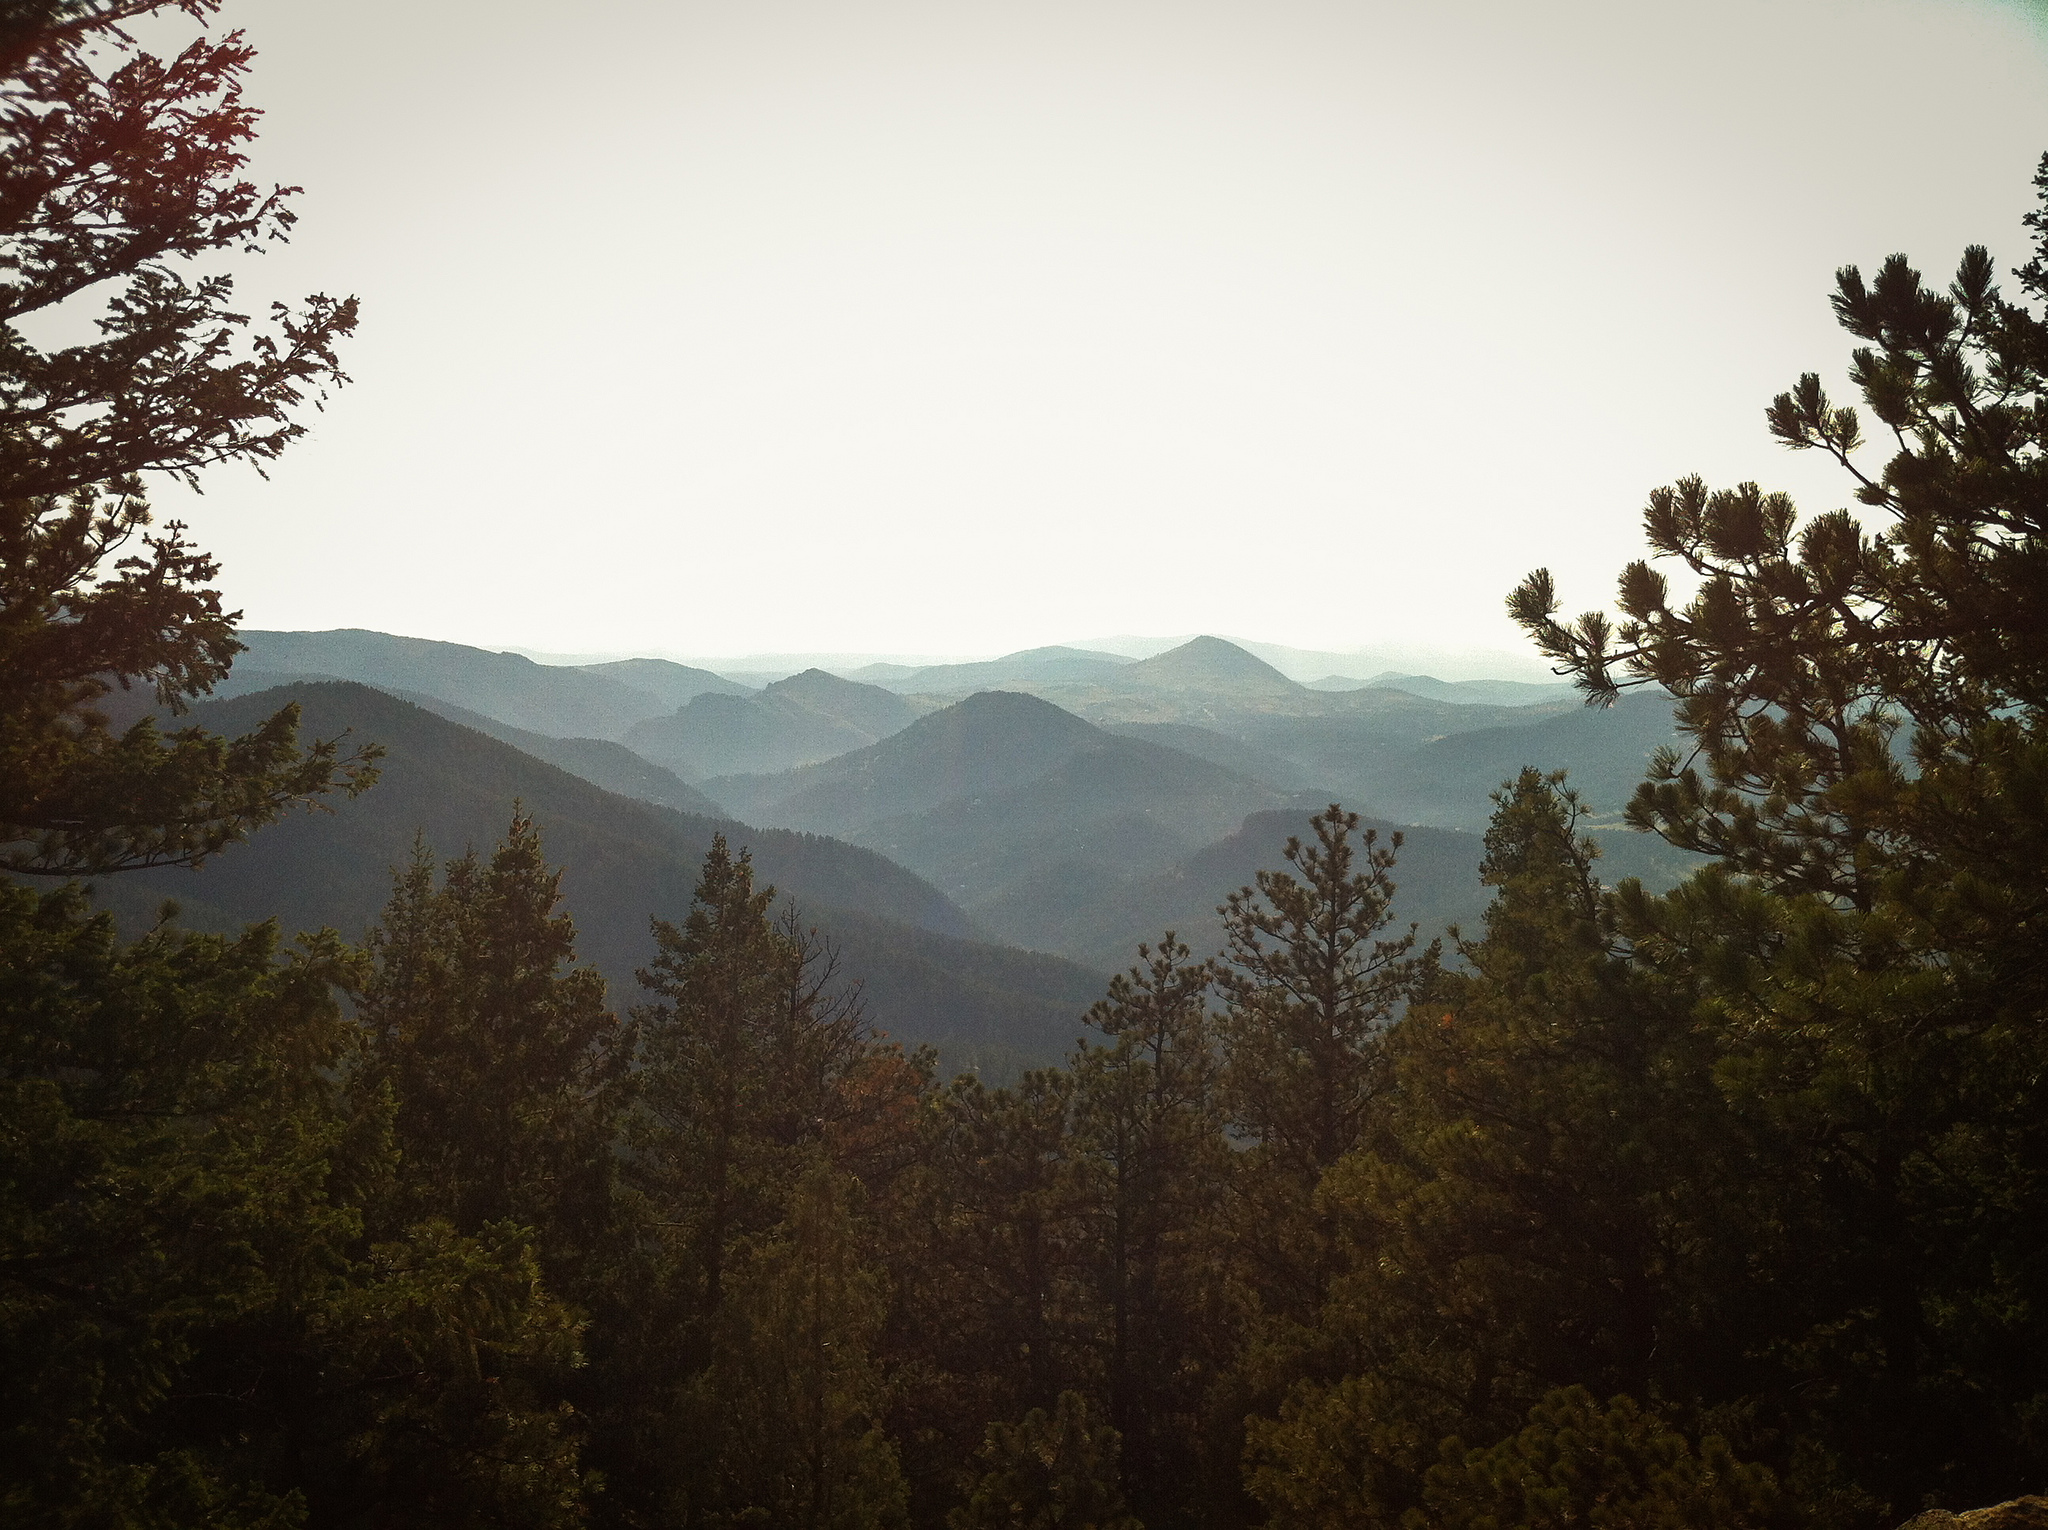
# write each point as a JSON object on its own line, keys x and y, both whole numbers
{"x": 1148, "y": 1138}
{"x": 1054, "y": 1471}
{"x": 1311, "y": 986}
{"x": 167, "y": 1145}
{"x": 1544, "y": 1204}
{"x": 1867, "y": 703}
{"x": 757, "y": 1064}
{"x": 1550, "y": 1180}
{"x": 117, "y": 168}
{"x": 995, "y": 1314}
{"x": 194, "y": 1325}
{"x": 742, "y": 1048}
{"x": 793, "y": 1394}
{"x": 1580, "y": 1464}
{"x": 505, "y": 1066}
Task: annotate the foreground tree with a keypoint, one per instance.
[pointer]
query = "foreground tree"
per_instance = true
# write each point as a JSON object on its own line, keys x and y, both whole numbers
{"x": 196, "y": 1322}
{"x": 1545, "y": 1202}
{"x": 793, "y": 1397}
{"x": 117, "y": 169}
{"x": 1867, "y": 701}
{"x": 1310, "y": 985}
{"x": 506, "y": 1069}
{"x": 1051, "y": 1471}
{"x": 759, "y": 1074}
{"x": 1148, "y": 1141}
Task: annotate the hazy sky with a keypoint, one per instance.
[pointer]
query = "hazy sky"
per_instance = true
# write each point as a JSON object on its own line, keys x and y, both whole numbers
{"x": 961, "y": 326}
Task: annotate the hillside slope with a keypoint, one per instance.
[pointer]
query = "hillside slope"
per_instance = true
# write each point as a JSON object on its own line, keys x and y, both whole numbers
{"x": 806, "y": 717}
{"x": 597, "y": 760}
{"x": 671, "y": 684}
{"x": 559, "y": 701}
{"x": 991, "y": 741}
{"x": 1100, "y": 921}
{"x": 622, "y": 861}
{"x": 993, "y": 788}
{"x": 1123, "y": 805}
{"x": 1606, "y": 750}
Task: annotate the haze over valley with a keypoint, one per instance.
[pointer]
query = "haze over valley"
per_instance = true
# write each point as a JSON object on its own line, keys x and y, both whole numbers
{"x": 985, "y": 839}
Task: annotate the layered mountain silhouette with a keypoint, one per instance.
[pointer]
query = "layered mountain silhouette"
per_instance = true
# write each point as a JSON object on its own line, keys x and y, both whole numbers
{"x": 1503, "y": 693}
{"x": 806, "y": 717}
{"x": 1001, "y": 784}
{"x": 1032, "y": 664}
{"x": 990, "y": 741}
{"x": 1072, "y": 909}
{"x": 1605, "y": 749}
{"x": 672, "y": 684}
{"x": 1211, "y": 683}
{"x": 559, "y": 701}
{"x": 597, "y": 760}
{"x": 622, "y": 860}
{"x": 1058, "y": 799}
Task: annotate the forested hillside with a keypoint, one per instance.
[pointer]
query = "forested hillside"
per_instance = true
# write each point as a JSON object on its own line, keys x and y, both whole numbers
{"x": 624, "y": 862}
{"x": 479, "y": 1147}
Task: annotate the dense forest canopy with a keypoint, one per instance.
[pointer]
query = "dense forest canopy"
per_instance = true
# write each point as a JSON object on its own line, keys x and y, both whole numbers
{"x": 1726, "y": 1207}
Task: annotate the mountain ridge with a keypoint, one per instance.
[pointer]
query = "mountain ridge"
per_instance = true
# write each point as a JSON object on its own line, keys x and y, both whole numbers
{"x": 801, "y": 719}
{"x": 927, "y": 977}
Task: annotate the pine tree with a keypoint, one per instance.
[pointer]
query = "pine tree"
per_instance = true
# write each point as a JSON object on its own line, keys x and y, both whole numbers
{"x": 167, "y": 1148}
{"x": 1867, "y": 703}
{"x": 505, "y": 1065}
{"x": 757, "y": 1067}
{"x": 1148, "y": 1137}
{"x": 1311, "y": 986}
{"x": 712, "y": 1099}
{"x": 793, "y": 1394}
{"x": 995, "y": 1313}
{"x": 195, "y": 1325}
{"x": 1577, "y": 1463}
{"x": 1052, "y": 1471}
{"x": 1546, "y": 1204}
{"x": 117, "y": 168}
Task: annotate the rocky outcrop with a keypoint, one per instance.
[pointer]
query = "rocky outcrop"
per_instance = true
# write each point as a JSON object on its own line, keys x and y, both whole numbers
{"x": 2030, "y": 1513}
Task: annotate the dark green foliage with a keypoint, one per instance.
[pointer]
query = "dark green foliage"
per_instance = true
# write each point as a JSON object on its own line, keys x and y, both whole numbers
{"x": 1328, "y": 1461}
{"x": 792, "y": 1394}
{"x": 504, "y": 1065}
{"x": 195, "y": 1324}
{"x": 1553, "y": 1143}
{"x": 1535, "y": 1206}
{"x": 116, "y": 168}
{"x": 1148, "y": 1137}
{"x": 712, "y": 1084}
{"x": 1868, "y": 707}
{"x": 1003, "y": 1224}
{"x": 733, "y": 1360}
{"x": 1054, "y": 1471}
{"x": 1311, "y": 985}
{"x": 1604, "y": 1468}
{"x": 165, "y": 1175}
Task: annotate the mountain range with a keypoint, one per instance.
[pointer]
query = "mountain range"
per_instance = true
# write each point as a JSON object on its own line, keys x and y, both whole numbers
{"x": 807, "y": 717}
{"x": 926, "y": 978}
{"x": 1054, "y": 801}
{"x": 1000, "y": 785}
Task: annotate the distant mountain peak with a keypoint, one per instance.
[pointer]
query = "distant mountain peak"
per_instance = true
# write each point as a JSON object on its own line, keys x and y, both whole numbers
{"x": 806, "y": 683}
{"x": 1213, "y": 659}
{"x": 989, "y": 712}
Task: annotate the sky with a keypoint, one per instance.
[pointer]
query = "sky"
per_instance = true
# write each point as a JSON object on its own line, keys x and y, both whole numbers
{"x": 962, "y": 326}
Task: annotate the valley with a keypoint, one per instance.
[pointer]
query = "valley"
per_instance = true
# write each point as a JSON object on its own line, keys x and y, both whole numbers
{"x": 984, "y": 841}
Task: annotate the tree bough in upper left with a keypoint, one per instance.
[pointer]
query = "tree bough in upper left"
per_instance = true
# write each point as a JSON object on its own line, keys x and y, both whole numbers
{"x": 117, "y": 168}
